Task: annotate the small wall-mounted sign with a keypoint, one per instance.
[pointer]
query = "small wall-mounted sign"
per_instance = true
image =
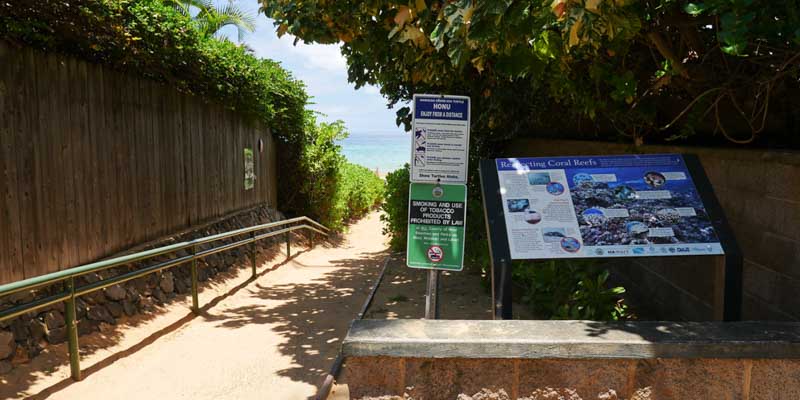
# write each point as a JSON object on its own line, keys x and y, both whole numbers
{"x": 249, "y": 169}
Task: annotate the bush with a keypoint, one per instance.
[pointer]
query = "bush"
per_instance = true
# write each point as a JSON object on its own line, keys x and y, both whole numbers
{"x": 553, "y": 290}
{"x": 151, "y": 39}
{"x": 569, "y": 289}
{"x": 395, "y": 207}
{"x": 334, "y": 190}
{"x": 359, "y": 191}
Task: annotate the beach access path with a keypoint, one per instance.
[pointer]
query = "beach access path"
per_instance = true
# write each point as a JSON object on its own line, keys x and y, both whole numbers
{"x": 274, "y": 337}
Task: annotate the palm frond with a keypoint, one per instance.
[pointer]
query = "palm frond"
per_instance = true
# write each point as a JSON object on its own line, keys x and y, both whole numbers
{"x": 231, "y": 14}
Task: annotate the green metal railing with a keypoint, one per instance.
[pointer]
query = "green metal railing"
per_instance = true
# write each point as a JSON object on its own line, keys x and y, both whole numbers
{"x": 70, "y": 292}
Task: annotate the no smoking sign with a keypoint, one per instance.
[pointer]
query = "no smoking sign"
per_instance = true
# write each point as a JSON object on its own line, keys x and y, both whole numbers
{"x": 436, "y": 218}
{"x": 435, "y": 254}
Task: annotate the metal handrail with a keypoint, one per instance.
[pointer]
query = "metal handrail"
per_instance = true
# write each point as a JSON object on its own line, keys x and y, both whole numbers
{"x": 71, "y": 292}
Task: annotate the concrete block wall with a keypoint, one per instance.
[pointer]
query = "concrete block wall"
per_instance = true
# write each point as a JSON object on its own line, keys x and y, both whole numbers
{"x": 760, "y": 193}
{"x": 576, "y": 360}
{"x": 449, "y": 378}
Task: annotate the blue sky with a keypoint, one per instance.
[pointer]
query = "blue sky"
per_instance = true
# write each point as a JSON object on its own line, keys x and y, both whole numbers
{"x": 324, "y": 71}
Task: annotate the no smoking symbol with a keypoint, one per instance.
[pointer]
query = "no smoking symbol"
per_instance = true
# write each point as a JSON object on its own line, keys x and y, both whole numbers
{"x": 435, "y": 254}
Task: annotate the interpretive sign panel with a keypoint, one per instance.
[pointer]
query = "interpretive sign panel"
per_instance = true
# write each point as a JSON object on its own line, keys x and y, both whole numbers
{"x": 603, "y": 206}
{"x": 436, "y": 223}
{"x": 440, "y": 147}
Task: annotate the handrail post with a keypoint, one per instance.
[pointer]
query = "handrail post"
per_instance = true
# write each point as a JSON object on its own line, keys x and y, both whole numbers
{"x": 253, "y": 253}
{"x": 288, "y": 245}
{"x": 195, "y": 301}
{"x": 72, "y": 331}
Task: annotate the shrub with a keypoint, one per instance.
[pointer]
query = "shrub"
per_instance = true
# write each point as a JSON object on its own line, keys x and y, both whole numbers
{"x": 333, "y": 191}
{"x": 152, "y": 39}
{"x": 359, "y": 191}
{"x": 569, "y": 289}
{"x": 395, "y": 207}
{"x": 553, "y": 290}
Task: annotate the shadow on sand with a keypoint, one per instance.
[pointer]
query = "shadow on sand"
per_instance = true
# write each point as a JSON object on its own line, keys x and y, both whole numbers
{"x": 55, "y": 358}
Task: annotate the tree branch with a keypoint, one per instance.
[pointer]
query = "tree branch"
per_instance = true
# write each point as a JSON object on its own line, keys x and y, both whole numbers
{"x": 666, "y": 51}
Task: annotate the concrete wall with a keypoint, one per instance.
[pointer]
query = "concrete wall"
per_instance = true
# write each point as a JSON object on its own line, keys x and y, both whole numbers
{"x": 760, "y": 193}
{"x": 576, "y": 360}
{"x": 437, "y": 378}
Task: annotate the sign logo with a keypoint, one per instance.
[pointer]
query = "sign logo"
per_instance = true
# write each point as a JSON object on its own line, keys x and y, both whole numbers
{"x": 438, "y": 192}
{"x": 435, "y": 254}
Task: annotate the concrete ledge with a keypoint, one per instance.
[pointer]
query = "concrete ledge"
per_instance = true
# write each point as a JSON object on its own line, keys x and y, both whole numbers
{"x": 571, "y": 339}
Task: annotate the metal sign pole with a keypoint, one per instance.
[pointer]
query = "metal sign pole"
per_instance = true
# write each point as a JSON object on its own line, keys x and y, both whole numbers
{"x": 499, "y": 251}
{"x": 729, "y": 267}
{"x": 432, "y": 295}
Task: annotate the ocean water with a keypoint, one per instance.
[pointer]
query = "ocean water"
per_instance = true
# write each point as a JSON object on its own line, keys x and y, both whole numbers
{"x": 385, "y": 152}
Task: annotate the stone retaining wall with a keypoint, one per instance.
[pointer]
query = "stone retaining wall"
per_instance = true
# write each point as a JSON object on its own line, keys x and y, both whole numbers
{"x": 25, "y": 337}
{"x": 552, "y": 379}
{"x": 574, "y": 360}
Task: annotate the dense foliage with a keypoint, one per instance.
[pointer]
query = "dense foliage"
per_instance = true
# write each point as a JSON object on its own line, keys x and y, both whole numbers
{"x": 646, "y": 70}
{"x": 570, "y": 289}
{"x": 160, "y": 40}
{"x": 552, "y": 290}
{"x": 152, "y": 39}
{"x": 395, "y": 207}
{"x": 710, "y": 72}
{"x": 333, "y": 191}
{"x": 210, "y": 19}
{"x": 360, "y": 191}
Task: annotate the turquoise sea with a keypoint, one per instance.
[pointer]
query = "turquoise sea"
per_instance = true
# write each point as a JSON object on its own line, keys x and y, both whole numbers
{"x": 383, "y": 151}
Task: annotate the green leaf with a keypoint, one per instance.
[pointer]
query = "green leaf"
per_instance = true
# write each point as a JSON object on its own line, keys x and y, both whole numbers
{"x": 695, "y": 9}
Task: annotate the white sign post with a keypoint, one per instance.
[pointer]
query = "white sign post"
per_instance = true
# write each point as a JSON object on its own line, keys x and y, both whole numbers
{"x": 440, "y": 146}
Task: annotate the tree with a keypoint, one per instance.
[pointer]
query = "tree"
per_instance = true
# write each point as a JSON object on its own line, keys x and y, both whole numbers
{"x": 656, "y": 70}
{"x": 210, "y": 19}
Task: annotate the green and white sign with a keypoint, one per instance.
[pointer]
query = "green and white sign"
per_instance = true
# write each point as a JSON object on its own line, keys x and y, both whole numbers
{"x": 436, "y": 223}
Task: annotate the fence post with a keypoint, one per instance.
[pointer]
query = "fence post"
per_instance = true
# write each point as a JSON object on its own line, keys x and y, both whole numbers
{"x": 253, "y": 253}
{"x": 288, "y": 245}
{"x": 311, "y": 239}
{"x": 72, "y": 331}
{"x": 195, "y": 301}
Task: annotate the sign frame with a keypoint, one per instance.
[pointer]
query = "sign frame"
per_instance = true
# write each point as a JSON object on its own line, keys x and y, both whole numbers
{"x": 728, "y": 267}
{"x": 414, "y": 121}
{"x": 413, "y": 264}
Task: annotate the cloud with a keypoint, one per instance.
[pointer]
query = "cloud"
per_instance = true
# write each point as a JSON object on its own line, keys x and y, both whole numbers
{"x": 369, "y": 89}
{"x": 324, "y": 71}
{"x": 325, "y": 57}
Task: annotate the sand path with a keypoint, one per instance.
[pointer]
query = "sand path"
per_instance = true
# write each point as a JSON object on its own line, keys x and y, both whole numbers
{"x": 272, "y": 338}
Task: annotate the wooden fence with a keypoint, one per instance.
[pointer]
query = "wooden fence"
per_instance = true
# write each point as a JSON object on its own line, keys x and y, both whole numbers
{"x": 93, "y": 161}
